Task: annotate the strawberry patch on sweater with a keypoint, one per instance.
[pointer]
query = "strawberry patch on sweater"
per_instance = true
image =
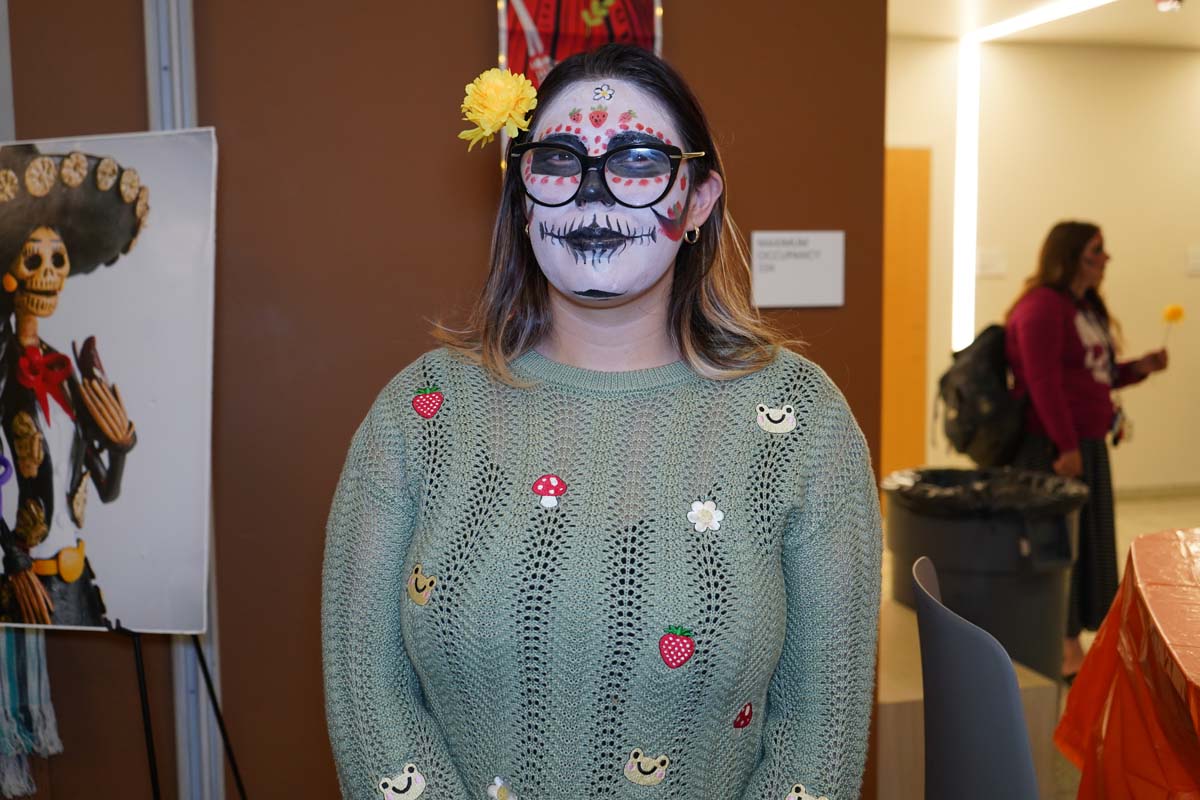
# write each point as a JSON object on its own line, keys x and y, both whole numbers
{"x": 676, "y": 647}
{"x": 427, "y": 401}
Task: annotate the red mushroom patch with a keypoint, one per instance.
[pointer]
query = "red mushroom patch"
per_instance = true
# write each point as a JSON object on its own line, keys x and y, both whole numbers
{"x": 744, "y": 716}
{"x": 550, "y": 488}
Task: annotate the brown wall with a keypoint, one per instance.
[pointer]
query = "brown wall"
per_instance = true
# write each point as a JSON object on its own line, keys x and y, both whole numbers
{"x": 349, "y": 214}
{"x": 78, "y": 66}
{"x": 795, "y": 92}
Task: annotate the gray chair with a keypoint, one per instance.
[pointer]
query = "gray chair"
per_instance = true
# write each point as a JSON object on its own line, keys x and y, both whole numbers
{"x": 976, "y": 743}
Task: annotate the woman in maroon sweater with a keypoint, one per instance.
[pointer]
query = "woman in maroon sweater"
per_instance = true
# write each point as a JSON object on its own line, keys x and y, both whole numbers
{"x": 1060, "y": 348}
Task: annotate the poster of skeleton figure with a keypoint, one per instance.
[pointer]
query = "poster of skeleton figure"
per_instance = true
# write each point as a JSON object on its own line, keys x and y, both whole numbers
{"x": 106, "y": 344}
{"x": 537, "y": 34}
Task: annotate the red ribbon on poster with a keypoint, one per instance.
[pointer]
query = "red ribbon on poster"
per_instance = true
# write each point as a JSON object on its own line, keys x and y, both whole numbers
{"x": 45, "y": 374}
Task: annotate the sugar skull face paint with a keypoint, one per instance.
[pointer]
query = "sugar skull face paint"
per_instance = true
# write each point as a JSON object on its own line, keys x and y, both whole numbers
{"x": 589, "y": 241}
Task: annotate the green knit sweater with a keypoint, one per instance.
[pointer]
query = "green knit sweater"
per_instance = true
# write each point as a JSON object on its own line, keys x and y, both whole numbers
{"x": 636, "y": 584}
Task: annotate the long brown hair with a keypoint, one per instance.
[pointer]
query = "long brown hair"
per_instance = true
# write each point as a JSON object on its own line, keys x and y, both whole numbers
{"x": 1058, "y": 264}
{"x": 711, "y": 319}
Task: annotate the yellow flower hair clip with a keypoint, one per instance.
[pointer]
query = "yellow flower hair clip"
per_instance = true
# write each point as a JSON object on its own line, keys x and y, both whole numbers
{"x": 497, "y": 99}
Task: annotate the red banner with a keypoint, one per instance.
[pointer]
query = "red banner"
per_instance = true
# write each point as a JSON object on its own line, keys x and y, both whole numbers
{"x": 537, "y": 34}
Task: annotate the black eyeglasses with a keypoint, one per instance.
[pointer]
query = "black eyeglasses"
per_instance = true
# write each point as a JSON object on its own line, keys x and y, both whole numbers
{"x": 637, "y": 175}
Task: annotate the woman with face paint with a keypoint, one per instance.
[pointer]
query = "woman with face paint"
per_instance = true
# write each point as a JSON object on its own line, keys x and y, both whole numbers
{"x": 1060, "y": 346}
{"x": 614, "y": 538}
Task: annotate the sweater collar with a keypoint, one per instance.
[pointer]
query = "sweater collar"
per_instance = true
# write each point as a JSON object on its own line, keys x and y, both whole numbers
{"x": 535, "y": 366}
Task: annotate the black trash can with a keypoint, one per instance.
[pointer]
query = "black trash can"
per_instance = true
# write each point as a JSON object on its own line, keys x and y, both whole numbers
{"x": 1003, "y": 541}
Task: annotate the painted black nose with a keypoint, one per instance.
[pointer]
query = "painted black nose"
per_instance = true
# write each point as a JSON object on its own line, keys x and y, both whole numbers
{"x": 593, "y": 190}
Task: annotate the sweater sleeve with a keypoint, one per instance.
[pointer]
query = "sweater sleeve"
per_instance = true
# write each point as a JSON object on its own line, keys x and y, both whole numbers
{"x": 821, "y": 695}
{"x": 1040, "y": 342}
{"x": 1127, "y": 375}
{"x": 379, "y": 725}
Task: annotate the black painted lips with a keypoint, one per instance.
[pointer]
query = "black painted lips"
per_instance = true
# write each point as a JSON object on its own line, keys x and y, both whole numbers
{"x": 594, "y": 236}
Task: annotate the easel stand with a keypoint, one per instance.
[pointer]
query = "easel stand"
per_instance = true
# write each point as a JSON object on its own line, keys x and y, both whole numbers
{"x": 148, "y": 728}
{"x": 212, "y": 695}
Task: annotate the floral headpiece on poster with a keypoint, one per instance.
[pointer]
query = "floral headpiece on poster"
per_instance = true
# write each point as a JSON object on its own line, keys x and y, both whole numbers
{"x": 497, "y": 100}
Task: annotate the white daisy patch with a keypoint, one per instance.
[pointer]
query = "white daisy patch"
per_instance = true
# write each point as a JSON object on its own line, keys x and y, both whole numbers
{"x": 705, "y": 516}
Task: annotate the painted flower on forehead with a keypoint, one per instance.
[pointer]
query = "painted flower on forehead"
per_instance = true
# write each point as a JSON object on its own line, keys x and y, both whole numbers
{"x": 496, "y": 100}
{"x": 603, "y": 92}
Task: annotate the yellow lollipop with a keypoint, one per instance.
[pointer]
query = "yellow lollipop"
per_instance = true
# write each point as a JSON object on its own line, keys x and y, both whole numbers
{"x": 1172, "y": 314}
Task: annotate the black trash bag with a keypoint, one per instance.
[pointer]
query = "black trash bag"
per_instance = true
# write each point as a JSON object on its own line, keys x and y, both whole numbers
{"x": 1003, "y": 541}
{"x": 984, "y": 492}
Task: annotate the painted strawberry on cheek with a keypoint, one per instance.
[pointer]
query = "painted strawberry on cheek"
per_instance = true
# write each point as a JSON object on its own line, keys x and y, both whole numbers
{"x": 672, "y": 225}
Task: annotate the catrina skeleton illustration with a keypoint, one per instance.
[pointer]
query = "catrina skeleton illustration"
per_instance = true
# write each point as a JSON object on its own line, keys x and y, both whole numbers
{"x": 66, "y": 425}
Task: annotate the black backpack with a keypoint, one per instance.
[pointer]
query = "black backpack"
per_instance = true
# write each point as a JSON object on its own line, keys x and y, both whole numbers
{"x": 982, "y": 419}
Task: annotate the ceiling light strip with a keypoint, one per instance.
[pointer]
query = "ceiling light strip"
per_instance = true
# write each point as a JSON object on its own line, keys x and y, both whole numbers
{"x": 966, "y": 155}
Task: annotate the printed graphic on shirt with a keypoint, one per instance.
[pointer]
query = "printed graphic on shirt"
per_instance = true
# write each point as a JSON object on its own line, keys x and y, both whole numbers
{"x": 744, "y": 716}
{"x": 676, "y": 647}
{"x": 776, "y": 420}
{"x": 500, "y": 789}
{"x": 1096, "y": 354}
{"x": 408, "y": 785}
{"x": 706, "y": 516}
{"x": 798, "y": 793}
{"x": 427, "y": 401}
{"x": 420, "y": 586}
{"x": 550, "y": 488}
{"x": 646, "y": 771}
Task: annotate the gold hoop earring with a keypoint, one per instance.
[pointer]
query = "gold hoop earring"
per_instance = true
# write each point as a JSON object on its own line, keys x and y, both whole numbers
{"x": 527, "y": 229}
{"x": 692, "y": 236}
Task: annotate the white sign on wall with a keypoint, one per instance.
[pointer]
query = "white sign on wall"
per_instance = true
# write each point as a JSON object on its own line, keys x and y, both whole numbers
{"x": 990, "y": 262}
{"x": 797, "y": 269}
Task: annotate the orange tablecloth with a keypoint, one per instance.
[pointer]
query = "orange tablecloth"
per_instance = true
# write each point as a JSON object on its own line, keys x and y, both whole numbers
{"x": 1132, "y": 723}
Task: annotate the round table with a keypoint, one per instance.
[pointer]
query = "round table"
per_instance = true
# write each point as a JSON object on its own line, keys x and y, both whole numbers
{"x": 1132, "y": 723}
